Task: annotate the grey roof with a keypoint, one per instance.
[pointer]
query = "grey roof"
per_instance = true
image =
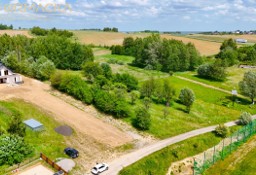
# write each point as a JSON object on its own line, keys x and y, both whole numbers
{"x": 33, "y": 123}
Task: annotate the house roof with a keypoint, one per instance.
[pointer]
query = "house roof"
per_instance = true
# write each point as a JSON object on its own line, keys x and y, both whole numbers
{"x": 32, "y": 123}
{"x": 3, "y": 66}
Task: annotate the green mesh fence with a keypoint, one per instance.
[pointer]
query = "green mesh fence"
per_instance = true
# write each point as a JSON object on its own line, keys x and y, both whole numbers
{"x": 223, "y": 149}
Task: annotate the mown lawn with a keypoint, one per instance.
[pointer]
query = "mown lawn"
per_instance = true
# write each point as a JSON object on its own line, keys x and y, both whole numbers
{"x": 48, "y": 141}
{"x": 235, "y": 75}
{"x": 241, "y": 162}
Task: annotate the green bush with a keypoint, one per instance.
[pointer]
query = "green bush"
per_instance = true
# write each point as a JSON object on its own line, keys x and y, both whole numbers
{"x": 222, "y": 131}
{"x": 245, "y": 118}
{"x": 142, "y": 120}
{"x": 13, "y": 149}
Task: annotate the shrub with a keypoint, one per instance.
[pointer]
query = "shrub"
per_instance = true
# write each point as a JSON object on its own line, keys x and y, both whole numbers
{"x": 13, "y": 149}
{"x": 16, "y": 126}
{"x": 187, "y": 98}
{"x": 245, "y": 118}
{"x": 222, "y": 131}
{"x": 142, "y": 120}
{"x": 130, "y": 81}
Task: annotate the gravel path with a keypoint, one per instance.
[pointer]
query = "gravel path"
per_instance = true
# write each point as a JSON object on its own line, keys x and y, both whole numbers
{"x": 128, "y": 159}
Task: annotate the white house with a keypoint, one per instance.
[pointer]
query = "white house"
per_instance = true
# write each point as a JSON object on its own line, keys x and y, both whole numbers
{"x": 7, "y": 76}
{"x": 239, "y": 40}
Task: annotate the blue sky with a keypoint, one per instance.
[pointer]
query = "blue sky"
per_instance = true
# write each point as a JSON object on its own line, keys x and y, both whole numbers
{"x": 134, "y": 15}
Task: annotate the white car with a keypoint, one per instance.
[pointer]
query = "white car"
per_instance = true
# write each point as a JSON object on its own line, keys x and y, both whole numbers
{"x": 99, "y": 168}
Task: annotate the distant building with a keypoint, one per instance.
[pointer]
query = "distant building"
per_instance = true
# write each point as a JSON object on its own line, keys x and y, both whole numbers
{"x": 239, "y": 40}
{"x": 7, "y": 76}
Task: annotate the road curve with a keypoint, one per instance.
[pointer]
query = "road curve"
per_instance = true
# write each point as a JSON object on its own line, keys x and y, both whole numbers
{"x": 128, "y": 159}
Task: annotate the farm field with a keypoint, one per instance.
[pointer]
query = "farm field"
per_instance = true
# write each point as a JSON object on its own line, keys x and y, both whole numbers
{"x": 242, "y": 161}
{"x": 221, "y": 38}
{"x": 110, "y": 38}
{"x": 16, "y": 32}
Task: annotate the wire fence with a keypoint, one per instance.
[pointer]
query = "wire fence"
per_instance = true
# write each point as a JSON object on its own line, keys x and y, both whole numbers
{"x": 223, "y": 149}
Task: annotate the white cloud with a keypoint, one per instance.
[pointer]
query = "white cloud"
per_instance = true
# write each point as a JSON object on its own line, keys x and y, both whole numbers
{"x": 45, "y": 2}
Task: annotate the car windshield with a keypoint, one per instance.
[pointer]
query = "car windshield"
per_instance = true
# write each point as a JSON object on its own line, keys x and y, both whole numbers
{"x": 94, "y": 168}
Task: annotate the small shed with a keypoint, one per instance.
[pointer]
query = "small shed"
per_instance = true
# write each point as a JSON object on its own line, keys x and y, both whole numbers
{"x": 34, "y": 124}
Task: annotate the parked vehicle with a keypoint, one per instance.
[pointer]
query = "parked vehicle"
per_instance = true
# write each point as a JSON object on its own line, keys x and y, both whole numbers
{"x": 71, "y": 152}
{"x": 99, "y": 168}
{"x": 59, "y": 173}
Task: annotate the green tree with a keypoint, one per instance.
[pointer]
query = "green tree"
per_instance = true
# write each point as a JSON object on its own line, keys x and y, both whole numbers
{"x": 92, "y": 69}
{"x": 43, "y": 68}
{"x": 168, "y": 92}
{"x": 148, "y": 87}
{"x": 142, "y": 120}
{"x": 248, "y": 85}
{"x": 13, "y": 149}
{"x": 187, "y": 98}
{"x": 135, "y": 95}
{"x": 16, "y": 126}
{"x": 107, "y": 71}
{"x": 245, "y": 118}
{"x": 147, "y": 102}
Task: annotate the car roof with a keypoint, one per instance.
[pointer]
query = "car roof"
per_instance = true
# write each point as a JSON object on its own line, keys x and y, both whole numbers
{"x": 99, "y": 165}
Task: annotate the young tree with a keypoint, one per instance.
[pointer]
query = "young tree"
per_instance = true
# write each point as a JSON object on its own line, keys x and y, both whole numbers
{"x": 142, "y": 120}
{"x": 166, "y": 112}
{"x": 134, "y": 96}
{"x": 92, "y": 69}
{"x": 148, "y": 87}
{"x": 147, "y": 102}
{"x": 168, "y": 92}
{"x": 16, "y": 126}
{"x": 43, "y": 68}
{"x": 245, "y": 118}
{"x": 248, "y": 85}
{"x": 187, "y": 97}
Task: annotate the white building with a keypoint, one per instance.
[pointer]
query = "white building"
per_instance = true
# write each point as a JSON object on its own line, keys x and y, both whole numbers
{"x": 239, "y": 40}
{"x": 7, "y": 76}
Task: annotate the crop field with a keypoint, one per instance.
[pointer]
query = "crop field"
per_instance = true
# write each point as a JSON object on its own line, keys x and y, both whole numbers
{"x": 204, "y": 47}
{"x": 16, "y": 32}
{"x": 221, "y": 38}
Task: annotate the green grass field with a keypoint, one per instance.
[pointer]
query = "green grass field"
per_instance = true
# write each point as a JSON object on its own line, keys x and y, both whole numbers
{"x": 53, "y": 143}
{"x": 235, "y": 75}
{"x": 241, "y": 162}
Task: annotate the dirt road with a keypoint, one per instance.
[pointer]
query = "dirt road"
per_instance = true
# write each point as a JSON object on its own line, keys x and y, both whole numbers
{"x": 128, "y": 159}
{"x": 36, "y": 92}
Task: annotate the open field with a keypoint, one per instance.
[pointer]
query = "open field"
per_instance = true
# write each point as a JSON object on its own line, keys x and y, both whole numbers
{"x": 110, "y": 38}
{"x": 242, "y": 161}
{"x": 204, "y": 47}
{"x": 104, "y": 38}
{"x": 16, "y": 32}
{"x": 211, "y": 106}
{"x": 221, "y": 38}
{"x": 235, "y": 75}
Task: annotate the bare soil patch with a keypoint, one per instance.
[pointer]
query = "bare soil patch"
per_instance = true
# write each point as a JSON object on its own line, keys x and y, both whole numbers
{"x": 37, "y": 170}
{"x": 64, "y": 130}
{"x": 36, "y": 92}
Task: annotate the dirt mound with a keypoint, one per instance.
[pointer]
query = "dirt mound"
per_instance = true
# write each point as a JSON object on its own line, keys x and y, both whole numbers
{"x": 64, "y": 130}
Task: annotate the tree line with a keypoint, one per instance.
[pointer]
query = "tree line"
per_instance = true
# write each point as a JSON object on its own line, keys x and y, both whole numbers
{"x": 6, "y": 27}
{"x": 108, "y": 29}
{"x": 154, "y": 53}
{"x": 38, "y": 57}
{"x": 43, "y": 32}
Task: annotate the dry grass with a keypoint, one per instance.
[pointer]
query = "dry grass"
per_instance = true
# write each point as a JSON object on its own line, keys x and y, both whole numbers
{"x": 16, "y": 32}
{"x": 110, "y": 38}
{"x": 104, "y": 38}
{"x": 204, "y": 47}
{"x": 250, "y": 38}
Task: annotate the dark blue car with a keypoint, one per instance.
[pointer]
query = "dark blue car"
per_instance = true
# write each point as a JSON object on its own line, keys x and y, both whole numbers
{"x": 71, "y": 152}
